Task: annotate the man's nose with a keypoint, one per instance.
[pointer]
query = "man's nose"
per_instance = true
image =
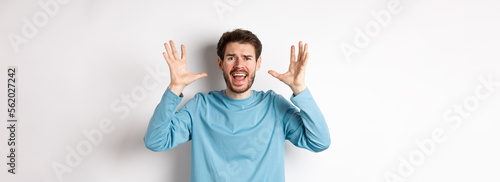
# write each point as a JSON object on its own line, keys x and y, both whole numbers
{"x": 238, "y": 62}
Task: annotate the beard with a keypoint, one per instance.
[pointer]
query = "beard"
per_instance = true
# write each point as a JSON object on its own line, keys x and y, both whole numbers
{"x": 238, "y": 90}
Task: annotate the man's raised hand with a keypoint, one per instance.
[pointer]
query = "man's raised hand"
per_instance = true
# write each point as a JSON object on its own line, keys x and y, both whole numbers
{"x": 295, "y": 76}
{"x": 180, "y": 76}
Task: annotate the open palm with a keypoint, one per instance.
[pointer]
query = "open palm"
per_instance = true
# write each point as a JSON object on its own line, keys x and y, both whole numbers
{"x": 180, "y": 76}
{"x": 295, "y": 76}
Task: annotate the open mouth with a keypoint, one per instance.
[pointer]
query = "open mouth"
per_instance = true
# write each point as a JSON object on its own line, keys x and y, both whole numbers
{"x": 239, "y": 76}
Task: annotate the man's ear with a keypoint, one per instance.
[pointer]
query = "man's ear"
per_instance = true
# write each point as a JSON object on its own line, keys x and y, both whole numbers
{"x": 220, "y": 63}
{"x": 258, "y": 63}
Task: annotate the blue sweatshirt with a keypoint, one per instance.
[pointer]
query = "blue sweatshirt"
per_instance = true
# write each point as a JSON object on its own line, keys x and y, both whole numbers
{"x": 237, "y": 140}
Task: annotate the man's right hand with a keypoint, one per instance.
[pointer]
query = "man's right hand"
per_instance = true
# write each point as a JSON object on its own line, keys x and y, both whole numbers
{"x": 180, "y": 76}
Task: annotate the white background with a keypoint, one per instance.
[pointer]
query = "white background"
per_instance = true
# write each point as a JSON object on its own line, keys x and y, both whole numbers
{"x": 87, "y": 55}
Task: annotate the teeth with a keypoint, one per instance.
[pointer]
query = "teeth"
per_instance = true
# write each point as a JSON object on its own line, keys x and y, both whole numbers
{"x": 238, "y": 74}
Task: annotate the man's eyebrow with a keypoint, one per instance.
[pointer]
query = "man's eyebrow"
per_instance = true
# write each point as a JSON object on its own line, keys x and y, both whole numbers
{"x": 230, "y": 54}
{"x": 247, "y": 56}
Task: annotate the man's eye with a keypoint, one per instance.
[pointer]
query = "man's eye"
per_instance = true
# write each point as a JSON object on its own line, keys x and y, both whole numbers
{"x": 248, "y": 58}
{"x": 230, "y": 58}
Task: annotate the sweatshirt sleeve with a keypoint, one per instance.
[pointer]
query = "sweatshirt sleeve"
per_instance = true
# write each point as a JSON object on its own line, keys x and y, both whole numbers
{"x": 168, "y": 128}
{"x": 306, "y": 128}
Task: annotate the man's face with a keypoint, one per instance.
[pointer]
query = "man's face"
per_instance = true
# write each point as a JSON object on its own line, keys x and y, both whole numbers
{"x": 239, "y": 66}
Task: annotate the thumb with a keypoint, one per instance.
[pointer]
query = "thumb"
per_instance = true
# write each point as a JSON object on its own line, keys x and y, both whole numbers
{"x": 274, "y": 74}
{"x": 200, "y": 75}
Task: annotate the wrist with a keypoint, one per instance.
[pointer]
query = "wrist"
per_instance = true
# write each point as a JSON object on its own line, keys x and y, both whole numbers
{"x": 298, "y": 89}
{"x": 176, "y": 89}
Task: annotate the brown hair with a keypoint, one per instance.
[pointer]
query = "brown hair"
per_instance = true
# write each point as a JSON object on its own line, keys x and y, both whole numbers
{"x": 240, "y": 36}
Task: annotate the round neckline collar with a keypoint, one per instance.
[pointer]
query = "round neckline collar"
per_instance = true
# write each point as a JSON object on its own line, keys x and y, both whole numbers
{"x": 249, "y": 98}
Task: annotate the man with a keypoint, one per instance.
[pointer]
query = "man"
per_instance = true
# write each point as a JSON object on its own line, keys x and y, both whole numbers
{"x": 237, "y": 134}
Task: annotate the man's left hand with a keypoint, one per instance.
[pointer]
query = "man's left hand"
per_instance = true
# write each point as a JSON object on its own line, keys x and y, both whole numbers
{"x": 295, "y": 76}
